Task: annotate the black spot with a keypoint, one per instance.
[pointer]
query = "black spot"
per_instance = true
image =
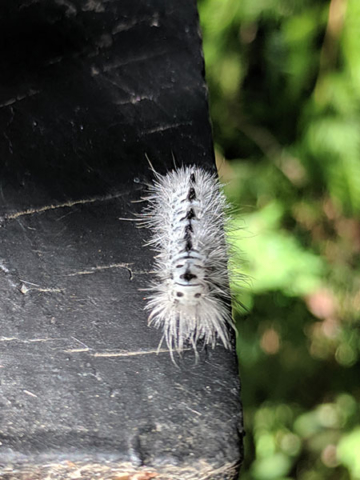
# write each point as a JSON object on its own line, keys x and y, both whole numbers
{"x": 187, "y": 237}
{"x": 190, "y": 214}
{"x": 197, "y": 295}
{"x": 192, "y": 178}
{"x": 179, "y": 266}
{"x": 179, "y": 294}
{"x": 188, "y": 229}
{"x": 188, "y": 276}
{"x": 192, "y": 195}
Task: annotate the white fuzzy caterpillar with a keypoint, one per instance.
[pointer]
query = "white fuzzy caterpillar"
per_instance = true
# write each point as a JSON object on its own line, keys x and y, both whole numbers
{"x": 190, "y": 297}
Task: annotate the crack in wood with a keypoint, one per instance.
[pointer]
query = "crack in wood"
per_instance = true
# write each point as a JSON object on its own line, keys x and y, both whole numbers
{"x": 162, "y": 128}
{"x": 32, "y": 211}
{"x": 141, "y": 58}
{"x": 129, "y": 354}
{"x": 19, "y": 98}
{"x": 100, "y": 268}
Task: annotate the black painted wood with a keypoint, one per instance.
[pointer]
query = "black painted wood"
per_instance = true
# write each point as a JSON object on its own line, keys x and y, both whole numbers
{"x": 87, "y": 88}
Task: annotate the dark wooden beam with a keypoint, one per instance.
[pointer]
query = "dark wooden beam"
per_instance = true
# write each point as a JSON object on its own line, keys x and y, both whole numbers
{"x": 87, "y": 88}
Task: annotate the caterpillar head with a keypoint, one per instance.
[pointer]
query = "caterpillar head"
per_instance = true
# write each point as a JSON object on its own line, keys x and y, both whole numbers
{"x": 188, "y": 294}
{"x": 188, "y": 283}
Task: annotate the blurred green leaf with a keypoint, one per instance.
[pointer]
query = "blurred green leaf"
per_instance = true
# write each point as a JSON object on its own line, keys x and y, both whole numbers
{"x": 348, "y": 452}
{"x": 272, "y": 467}
{"x": 275, "y": 260}
{"x": 284, "y": 82}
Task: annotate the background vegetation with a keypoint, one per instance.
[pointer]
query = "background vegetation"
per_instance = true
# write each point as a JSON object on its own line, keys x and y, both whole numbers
{"x": 284, "y": 80}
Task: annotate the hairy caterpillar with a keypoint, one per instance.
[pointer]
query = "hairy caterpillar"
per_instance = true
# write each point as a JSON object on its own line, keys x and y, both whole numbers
{"x": 190, "y": 296}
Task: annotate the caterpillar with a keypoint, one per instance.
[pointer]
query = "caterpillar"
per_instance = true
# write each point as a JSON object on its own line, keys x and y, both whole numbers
{"x": 189, "y": 295}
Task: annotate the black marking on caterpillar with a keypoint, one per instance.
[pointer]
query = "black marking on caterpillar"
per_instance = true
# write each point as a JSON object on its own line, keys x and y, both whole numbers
{"x": 190, "y": 297}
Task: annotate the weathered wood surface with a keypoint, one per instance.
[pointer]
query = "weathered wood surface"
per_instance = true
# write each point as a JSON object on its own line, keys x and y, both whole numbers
{"x": 87, "y": 87}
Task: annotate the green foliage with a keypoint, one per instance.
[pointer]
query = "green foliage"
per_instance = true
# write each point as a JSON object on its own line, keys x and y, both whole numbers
{"x": 349, "y": 448}
{"x": 284, "y": 81}
{"x": 275, "y": 259}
